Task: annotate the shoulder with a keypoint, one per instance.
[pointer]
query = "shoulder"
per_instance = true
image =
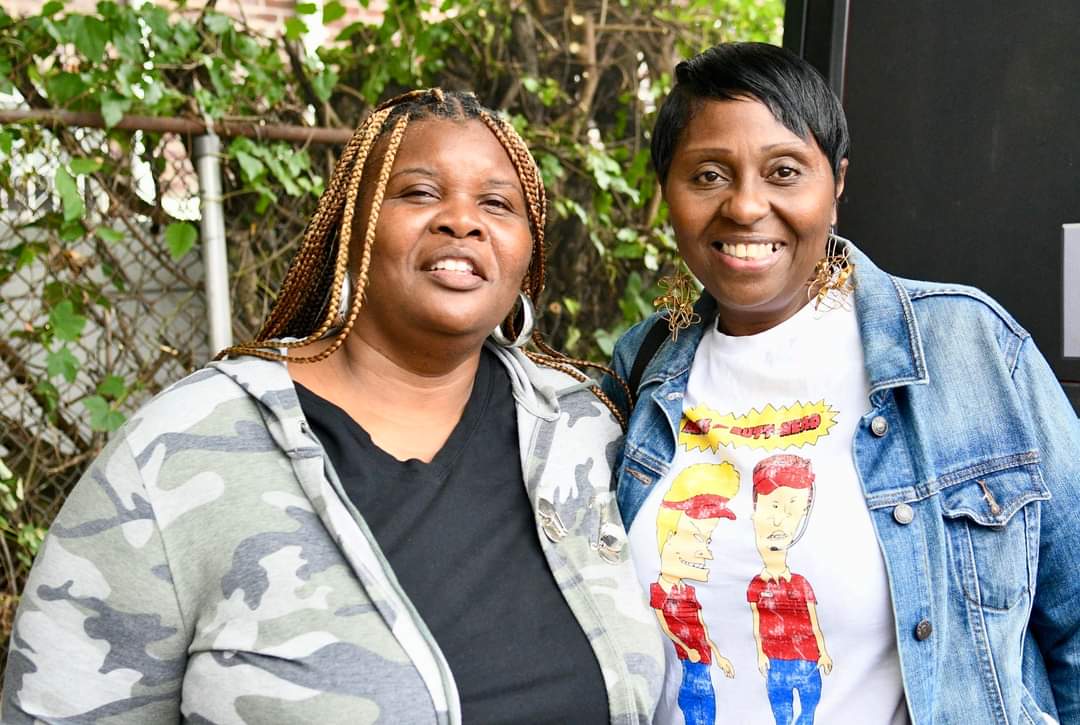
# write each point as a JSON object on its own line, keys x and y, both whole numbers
{"x": 800, "y": 583}
{"x": 630, "y": 342}
{"x": 962, "y": 301}
{"x": 216, "y": 412}
{"x": 191, "y": 403}
{"x": 560, "y": 394}
{"x": 962, "y": 320}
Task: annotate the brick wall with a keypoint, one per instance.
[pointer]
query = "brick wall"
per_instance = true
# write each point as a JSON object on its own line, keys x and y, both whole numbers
{"x": 264, "y": 16}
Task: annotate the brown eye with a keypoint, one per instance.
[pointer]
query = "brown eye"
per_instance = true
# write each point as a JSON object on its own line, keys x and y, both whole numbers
{"x": 785, "y": 173}
{"x": 498, "y": 203}
{"x": 707, "y": 177}
{"x": 420, "y": 193}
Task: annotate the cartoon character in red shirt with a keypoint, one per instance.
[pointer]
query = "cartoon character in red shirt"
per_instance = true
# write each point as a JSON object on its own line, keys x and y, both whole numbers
{"x": 790, "y": 646}
{"x": 692, "y": 507}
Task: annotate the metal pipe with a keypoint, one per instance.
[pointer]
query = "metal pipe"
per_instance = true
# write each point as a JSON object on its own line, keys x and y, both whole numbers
{"x": 215, "y": 260}
{"x": 256, "y": 130}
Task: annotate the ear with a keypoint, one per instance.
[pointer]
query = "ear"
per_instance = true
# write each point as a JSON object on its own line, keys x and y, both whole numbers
{"x": 841, "y": 175}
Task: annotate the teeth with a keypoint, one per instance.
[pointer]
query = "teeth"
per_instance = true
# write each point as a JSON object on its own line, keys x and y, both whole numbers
{"x": 695, "y": 565}
{"x": 749, "y": 251}
{"x": 454, "y": 265}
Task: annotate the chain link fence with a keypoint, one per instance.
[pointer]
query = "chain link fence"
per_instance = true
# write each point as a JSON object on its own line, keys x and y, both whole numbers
{"x": 100, "y": 310}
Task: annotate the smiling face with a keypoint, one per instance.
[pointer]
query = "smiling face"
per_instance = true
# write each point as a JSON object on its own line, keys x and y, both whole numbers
{"x": 751, "y": 205}
{"x": 685, "y": 554}
{"x": 452, "y": 243}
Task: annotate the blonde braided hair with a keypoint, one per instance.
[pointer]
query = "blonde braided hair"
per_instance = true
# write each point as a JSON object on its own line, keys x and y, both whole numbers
{"x": 308, "y": 303}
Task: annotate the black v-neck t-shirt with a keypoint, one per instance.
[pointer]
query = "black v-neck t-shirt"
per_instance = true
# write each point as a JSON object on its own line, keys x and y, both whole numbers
{"x": 460, "y": 535}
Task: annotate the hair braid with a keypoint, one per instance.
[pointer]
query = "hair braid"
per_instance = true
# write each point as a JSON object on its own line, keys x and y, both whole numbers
{"x": 318, "y": 238}
{"x": 365, "y": 250}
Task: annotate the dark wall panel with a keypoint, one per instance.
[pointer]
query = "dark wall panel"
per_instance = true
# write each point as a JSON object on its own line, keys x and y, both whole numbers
{"x": 965, "y": 121}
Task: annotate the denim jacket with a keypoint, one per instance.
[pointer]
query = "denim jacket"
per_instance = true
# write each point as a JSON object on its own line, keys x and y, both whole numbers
{"x": 969, "y": 461}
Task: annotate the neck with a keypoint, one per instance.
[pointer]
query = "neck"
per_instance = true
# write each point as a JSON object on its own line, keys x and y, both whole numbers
{"x": 667, "y": 583}
{"x": 775, "y": 561}
{"x": 386, "y": 389}
{"x": 741, "y": 323}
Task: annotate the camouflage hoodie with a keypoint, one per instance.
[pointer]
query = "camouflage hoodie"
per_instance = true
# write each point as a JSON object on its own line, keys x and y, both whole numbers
{"x": 208, "y": 567}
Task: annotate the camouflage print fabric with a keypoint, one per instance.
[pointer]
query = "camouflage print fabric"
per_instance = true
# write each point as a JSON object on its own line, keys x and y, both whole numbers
{"x": 209, "y": 569}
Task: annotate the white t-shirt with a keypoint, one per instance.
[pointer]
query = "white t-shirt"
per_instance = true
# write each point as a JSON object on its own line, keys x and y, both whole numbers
{"x": 791, "y": 590}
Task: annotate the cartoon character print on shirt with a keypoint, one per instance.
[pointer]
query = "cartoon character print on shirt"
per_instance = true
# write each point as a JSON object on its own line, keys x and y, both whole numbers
{"x": 692, "y": 507}
{"x": 791, "y": 649}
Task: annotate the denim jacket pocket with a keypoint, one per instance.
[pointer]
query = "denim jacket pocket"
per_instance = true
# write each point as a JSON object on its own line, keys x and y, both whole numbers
{"x": 991, "y": 525}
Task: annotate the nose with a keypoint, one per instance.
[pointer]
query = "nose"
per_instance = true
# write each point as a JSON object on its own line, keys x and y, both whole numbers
{"x": 459, "y": 218}
{"x": 706, "y": 554}
{"x": 745, "y": 203}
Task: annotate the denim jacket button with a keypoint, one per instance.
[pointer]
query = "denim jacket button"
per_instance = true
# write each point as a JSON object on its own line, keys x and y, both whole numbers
{"x": 879, "y": 426}
{"x": 923, "y": 630}
{"x": 903, "y": 514}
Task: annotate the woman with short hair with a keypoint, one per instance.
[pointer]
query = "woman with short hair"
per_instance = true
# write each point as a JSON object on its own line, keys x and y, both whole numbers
{"x": 899, "y": 540}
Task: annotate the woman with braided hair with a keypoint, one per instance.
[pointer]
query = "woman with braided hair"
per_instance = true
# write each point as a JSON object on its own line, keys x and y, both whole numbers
{"x": 378, "y": 510}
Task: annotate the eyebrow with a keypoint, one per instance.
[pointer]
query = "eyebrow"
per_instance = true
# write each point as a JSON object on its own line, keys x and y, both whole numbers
{"x": 491, "y": 182}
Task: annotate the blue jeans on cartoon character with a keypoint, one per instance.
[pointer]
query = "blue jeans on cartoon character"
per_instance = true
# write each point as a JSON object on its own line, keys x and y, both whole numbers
{"x": 696, "y": 698}
{"x": 785, "y": 678}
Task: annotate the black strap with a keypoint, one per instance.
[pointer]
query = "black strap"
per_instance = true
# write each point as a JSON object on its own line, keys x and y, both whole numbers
{"x": 654, "y": 338}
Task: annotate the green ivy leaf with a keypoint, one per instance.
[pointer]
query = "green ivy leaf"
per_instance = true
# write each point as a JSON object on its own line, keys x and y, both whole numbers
{"x": 50, "y": 395}
{"x": 72, "y": 230}
{"x": 323, "y": 84}
{"x": 113, "y": 108}
{"x": 106, "y": 234}
{"x": 306, "y": 8}
{"x": 102, "y": 415}
{"x": 295, "y": 29}
{"x": 332, "y": 11}
{"x": 180, "y": 238}
{"x": 629, "y": 250}
{"x": 5, "y": 142}
{"x": 249, "y": 165}
{"x": 29, "y": 537}
{"x": 63, "y": 87}
{"x": 550, "y": 169}
{"x": 69, "y": 195}
{"x": 91, "y": 36}
{"x": 112, "y": 387}
{"x": 85, "y": 166}
{"x": 217, "y": 23}
{"x": 67, "y": 324}
{"x": 51, "y": 8}
{"x": 62, "y": 362}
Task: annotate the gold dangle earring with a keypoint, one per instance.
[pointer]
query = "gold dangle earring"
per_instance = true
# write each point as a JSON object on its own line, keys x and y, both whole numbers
{"x": 833, "y": 279}
{"x": 677, "y": 302}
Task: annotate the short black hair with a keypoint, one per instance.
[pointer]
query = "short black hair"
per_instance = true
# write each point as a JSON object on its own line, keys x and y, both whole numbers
{"x": 790, "y": 87}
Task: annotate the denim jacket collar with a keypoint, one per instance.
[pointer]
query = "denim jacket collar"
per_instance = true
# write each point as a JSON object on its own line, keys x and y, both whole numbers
{"x": 890, "y": 333}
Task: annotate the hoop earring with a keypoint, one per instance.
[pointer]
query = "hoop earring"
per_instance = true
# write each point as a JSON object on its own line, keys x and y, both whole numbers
{"x": 527, "y": 322}
{"x": 677, "y": 302}
{"x": 346, "y": 300}
{"x": 342, "y": 313}
{"x": 833, "y": 277}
